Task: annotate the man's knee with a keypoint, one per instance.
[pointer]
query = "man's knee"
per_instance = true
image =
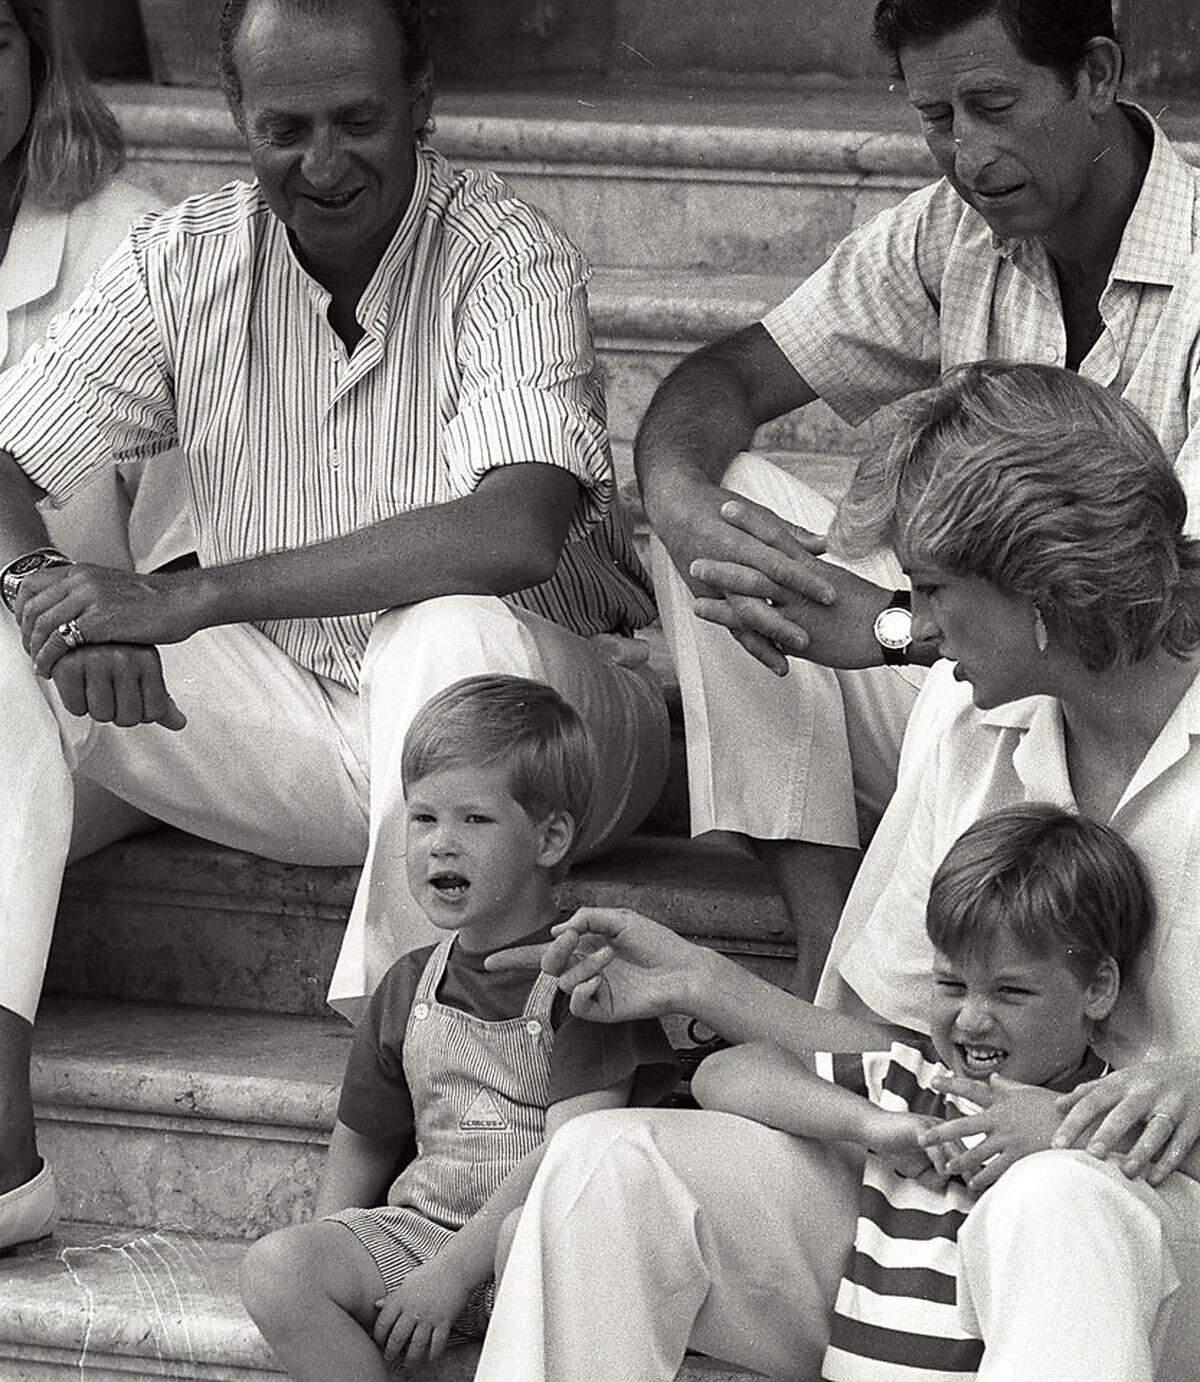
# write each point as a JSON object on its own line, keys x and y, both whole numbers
{"x": 469, "y": 632}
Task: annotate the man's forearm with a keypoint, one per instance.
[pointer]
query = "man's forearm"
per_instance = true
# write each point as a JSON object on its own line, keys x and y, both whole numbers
{"x": 708, "y": 409}
{"x": 21, "y": 526}
{"x": 506, "y": 536}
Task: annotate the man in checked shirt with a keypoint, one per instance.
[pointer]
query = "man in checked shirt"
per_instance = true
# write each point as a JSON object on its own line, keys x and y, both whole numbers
{"x": 1064, "y": 230}
{"x": 379, "y": 371}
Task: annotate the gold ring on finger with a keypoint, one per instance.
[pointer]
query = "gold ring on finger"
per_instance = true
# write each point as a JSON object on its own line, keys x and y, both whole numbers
{"x": 71, "y": 635}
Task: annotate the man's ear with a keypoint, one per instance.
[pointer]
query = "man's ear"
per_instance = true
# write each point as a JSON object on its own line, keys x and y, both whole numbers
{"x": 557, "y": 837}
{"x": 421, "y": 106}
{"x": 1100, "y": 996}
{"x": 1100, "y": 71}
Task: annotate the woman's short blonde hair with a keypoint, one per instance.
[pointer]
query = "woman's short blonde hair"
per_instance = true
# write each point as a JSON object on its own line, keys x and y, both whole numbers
{"x": 73, "y": 145}
{"x": 1048, "y": 486}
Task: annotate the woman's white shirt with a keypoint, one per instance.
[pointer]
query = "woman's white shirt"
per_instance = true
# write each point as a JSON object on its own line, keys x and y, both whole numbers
{"x": 959, "y": 763}
{"x": 133, "y": 515}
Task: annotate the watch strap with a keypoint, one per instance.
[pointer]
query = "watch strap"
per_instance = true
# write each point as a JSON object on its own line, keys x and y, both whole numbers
{"x": 898, "y": 657}
{"x": 10, "y": 580}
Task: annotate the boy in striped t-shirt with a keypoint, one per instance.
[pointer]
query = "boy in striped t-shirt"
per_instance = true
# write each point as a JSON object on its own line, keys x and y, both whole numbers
{"x": 1035, "y": 916}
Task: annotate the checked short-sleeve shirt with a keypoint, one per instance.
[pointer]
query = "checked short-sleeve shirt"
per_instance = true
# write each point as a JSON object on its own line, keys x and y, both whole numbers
{"x": 204, "y": 331}
{"x": 925, "y": 286}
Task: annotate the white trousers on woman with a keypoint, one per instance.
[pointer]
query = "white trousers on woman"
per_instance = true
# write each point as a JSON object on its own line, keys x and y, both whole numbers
{"x": 649, "y": 1232}
{"x": 810, "y": 756}
{"x": 277, "y": 760}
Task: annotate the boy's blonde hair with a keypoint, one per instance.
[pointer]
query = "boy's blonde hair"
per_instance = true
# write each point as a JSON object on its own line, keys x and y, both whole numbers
{"x": 523, "y": 725}
{"x": 1058, "y": 883}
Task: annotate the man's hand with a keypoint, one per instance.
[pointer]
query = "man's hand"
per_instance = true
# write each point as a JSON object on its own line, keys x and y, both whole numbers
{"x": 1017, "y": 1120}
{"x": 779, "y": 591}
{"x": 693, "y": 519}
{"x": 117, "y": 683}
{"x": 616, "y": 965}
{"x": 1161, "y": 1098}
{"x": 107, "y": 605}
{"x": 414, "y": 1320}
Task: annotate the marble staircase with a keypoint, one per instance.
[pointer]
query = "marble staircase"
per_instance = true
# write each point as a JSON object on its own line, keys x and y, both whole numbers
{"x": 186, "y": 1068}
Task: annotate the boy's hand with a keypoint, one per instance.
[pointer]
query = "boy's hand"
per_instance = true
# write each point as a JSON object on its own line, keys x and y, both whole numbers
{"x": 415, "y": 1319}
{"x": 1017, "y": 1120}
{"x": 895, "y": 1138}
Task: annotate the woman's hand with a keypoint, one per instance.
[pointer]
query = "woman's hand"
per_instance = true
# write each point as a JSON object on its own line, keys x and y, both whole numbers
{"x": 1017, "y": 1120}
{"x": 704, "y": 526}
{"x": 799, "y": 605}
{"x": 616, "y": 965}
{"x": 1162, "y": 1097}
{"x": 415, "y": 1319}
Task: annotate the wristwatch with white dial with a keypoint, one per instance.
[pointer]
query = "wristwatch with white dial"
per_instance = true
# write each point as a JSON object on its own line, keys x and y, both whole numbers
{"x": 16, "y": 571}
{"x": 893, "y": 628}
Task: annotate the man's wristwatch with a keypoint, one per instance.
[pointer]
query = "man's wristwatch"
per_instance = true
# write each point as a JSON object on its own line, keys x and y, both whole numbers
{"x": 16, "y": 571}
{"x": 893, "y": 628}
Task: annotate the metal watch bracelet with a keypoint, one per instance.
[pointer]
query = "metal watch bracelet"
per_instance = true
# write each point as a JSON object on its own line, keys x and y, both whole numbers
{"x": 12, "y": 575}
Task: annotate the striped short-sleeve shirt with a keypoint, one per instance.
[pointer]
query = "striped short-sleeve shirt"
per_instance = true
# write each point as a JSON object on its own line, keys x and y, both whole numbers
{"x": 204, "y": 331}
{"x": 896, "y": 1314}
{"x": 926, "y": 285}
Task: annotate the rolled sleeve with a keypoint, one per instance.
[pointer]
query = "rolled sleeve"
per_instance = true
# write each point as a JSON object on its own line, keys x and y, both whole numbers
{"x": 864, "y": 330}
{"x": 529, "y": 391}
{"x": 95, "y": 392}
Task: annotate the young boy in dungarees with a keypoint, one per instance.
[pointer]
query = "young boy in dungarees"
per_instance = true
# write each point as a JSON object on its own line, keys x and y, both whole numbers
{"x": 458, "y": 1075}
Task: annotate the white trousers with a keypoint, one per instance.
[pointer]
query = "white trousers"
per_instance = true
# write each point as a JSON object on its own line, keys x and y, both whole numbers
{"x": 649, "y": 1232}
{"x": 286, "y": 764}
{"x": 810, "y": 756}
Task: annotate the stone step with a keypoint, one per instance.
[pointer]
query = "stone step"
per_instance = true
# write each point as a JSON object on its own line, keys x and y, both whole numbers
{"x": 118, "y": 1305}
{"x": 168, "y": 918}
{"x": 183, "y": 1118}
{"x": 763, "y": 182}
{"x": 191, "y": 1119}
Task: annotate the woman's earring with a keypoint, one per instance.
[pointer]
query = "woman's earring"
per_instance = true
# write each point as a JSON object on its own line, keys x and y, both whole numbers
{"x": 1041, "y": 634}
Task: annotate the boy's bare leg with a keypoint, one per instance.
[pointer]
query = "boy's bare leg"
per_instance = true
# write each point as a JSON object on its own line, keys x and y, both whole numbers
{"x": 814, "y": 881}
{"x": 311, "y": 1290}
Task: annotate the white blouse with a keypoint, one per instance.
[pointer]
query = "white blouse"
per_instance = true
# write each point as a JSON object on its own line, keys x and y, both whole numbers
{"x": 959, "y": 763}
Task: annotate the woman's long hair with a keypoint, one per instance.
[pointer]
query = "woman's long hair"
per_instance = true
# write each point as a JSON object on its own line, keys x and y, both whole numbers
{"x": 73, "y": 145}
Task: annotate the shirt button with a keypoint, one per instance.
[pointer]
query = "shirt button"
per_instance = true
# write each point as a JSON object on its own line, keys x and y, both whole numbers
{"x": 533, "y": 1028}
{"x": 335, "y": 459}
{"x": 421, "y": 1011}
{"x": 1051, "y": 354}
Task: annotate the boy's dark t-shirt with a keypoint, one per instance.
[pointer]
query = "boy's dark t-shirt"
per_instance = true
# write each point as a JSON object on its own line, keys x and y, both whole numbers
{"x": 586, "y": 1056}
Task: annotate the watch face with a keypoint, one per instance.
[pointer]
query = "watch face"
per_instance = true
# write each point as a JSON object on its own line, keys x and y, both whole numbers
{"x": 893, "y": 628}
{"x": 27, "y": 565}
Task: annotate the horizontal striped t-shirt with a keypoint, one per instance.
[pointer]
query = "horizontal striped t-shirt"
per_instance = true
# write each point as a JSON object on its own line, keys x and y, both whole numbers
{"x": 896, "y": 1314}
{"x": 204, "y": 331}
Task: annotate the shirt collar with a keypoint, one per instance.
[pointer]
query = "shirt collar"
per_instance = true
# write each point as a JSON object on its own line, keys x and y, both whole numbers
{"x": 1156, "y": 244}
{"x": 1040, "y": 757}
{"x": 31, "y": 266}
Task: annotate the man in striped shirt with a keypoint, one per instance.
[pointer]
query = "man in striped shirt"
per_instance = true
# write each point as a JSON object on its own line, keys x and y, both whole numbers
{"x": 380, "y": 373}
{"x": 1065, "y": 230}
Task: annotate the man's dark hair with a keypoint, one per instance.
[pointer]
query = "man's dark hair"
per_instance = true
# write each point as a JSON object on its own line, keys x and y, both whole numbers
{"x": 1050, "y": 33}
{"x": 405, "y": 15}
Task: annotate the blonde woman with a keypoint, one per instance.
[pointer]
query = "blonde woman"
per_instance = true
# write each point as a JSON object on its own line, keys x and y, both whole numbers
{"x": 63, "y": 210}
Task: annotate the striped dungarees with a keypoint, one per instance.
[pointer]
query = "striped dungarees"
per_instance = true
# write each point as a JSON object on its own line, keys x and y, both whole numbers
{"x": 479, "y": 1092}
